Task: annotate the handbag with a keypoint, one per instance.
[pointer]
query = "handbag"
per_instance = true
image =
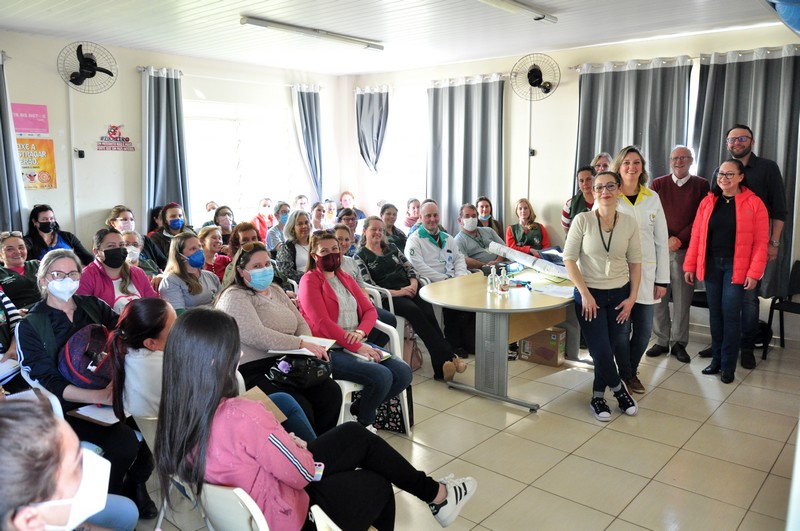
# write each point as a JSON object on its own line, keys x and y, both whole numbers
{"x": 298, "y": 371}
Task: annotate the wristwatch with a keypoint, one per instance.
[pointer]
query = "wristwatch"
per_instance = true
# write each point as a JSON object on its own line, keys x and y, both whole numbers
{"x": 775, "y": 243}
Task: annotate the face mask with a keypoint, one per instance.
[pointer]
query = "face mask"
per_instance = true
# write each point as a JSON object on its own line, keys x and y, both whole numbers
{"x": 127, "y": 224}
{"x": 90, "y": 498}
{"x": 133, "y": 253}
{"x": 329, "y": 262}
{"x": 470, "y": 224}
{"x": 176, "y": 224}
{"x": 47, "y": 227}
{"x": 260, "y": 279}
{"x": 484, "y": 218}
{"x": 196, "y": 259}
{"x": 114, "y": 258}
{"x": 63, "y": 289}
{"x": 225, "y": 222}
{"x": 284, "y": 218}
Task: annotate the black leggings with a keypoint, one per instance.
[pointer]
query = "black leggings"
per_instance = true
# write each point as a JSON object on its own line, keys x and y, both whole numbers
{"x": 459, "y": 329}
{"x": 321, "y": 404}
{"x": 420, "y": 314}
{"x": 358, "y": 499}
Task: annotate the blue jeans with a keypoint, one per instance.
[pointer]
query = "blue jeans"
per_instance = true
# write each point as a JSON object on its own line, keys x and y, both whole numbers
{"x": 750, "y": 318}
{"x": 381, "y": 381}
{"x": 296, "y": 420}
{"x": 600, "y": 332}
{"x": 119, "y": 514}
{"x": 628, "y": 349}
{"x": 724, "y": 311}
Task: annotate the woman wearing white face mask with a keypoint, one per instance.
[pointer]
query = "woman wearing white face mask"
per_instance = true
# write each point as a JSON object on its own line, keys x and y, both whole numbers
{"x": 133, "y": 244}
{"x": 48, "y": 481}
{"x": 40, "y": 337}
{"x": 122, "y": 219}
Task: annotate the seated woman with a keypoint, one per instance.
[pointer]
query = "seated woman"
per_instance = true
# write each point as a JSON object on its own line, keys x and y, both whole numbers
{"x": 136, "y": 348}
{"x": 18, "y": 274}
{"x": 330, "y": 214}
{"x": 172, "y": 224}
{"x": 293, "y": 254}
{"x": 318, "y": 216}
{"x": 242, "y": 233}
{"x": 133, "y": 244}
{"x": 394, "y": 235}
{"x": 486, "y": 217}
{"x": 269, "y": 320}
{"x": 275, "y": 237}
{"x": 348, "y": 201}
{"x": 335, "y": 307}
{"x": 122, "y": 219}
{"x": 263, "y": 220}
{"x": 211, "y": 241}
{"x": 42, "y": 334}
{"x": 527, "y": 236}
{"x": 9, "y": 318}
{"x": 223, "y": 218}
{"x": 44, "y": 235}
{"x": 185, "y": 283}
{"x": 110, "y": 278}
{"x": 347, "y": 217}
{"x": 412, "y": 214}
{"x": 382, "y": 264}
{"x": 155, "y": 221}
{"x": 218, "y": 438}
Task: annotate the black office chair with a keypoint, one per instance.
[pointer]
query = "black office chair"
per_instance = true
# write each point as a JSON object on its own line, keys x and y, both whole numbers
{"x": 785, "y": 305}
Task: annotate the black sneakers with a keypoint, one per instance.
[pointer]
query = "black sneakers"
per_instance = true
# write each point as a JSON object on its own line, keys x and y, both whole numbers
{"x": 626, "y": 402}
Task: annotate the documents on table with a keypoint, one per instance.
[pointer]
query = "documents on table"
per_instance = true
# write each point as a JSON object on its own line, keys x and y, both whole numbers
{"x": 537, "y": 264}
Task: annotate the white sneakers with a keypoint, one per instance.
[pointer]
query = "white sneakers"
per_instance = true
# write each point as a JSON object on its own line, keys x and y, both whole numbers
{"x": 459, "y": 491}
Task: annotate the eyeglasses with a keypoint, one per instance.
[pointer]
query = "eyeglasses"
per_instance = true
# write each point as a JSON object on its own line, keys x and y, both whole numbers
{"x": 740, "y": 139}
{"x": 347, "y": 218}
{"x": 10, "y": 234}
{"x": 682, "y": 158}
{"x": 727, "y": 175}
{"x": 611, "y": 187}
{"x": 601, "y": 167}
{"x": 60, "y": 275}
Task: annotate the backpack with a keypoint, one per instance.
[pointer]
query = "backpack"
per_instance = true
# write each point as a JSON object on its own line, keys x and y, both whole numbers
{"x": 82, "y": 360}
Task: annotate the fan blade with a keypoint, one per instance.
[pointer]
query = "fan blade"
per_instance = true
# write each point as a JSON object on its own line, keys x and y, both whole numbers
{"x": 105, "y": 71}
{"x": 76, "y": 78}
{"x": 80, "y": 53}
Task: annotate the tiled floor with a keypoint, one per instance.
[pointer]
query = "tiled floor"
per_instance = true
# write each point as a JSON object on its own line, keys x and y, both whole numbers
{"x": 699, "y": 455}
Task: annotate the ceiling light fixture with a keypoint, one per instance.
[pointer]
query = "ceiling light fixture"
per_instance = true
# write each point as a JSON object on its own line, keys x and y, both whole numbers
{"x": 512, "y": 6}
{"x": 312, "y": 32}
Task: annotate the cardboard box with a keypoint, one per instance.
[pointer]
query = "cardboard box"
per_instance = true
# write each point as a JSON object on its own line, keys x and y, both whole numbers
{"x": 548, "y": 347}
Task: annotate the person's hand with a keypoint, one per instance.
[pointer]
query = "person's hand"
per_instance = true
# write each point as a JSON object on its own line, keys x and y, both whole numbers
{"x": 354, "y": 337}
{"x": 291, "y": 294}
{"x": 772, "y": 253}
{"x": 371, "y": 353}
{"x": 625, "y": 309}
{"x": 689, "y": 277}
{"x": 412, "y": 290}
{"x": 589, "y": 310}
{"x": 105, "y": 396}
{"x": 659, "y": 292}
{"x": 298, "y": 441}
{"x": 317, "y": 350}
{"x": 750, "y": 283}
{"x": 224, "y": 250}
{"x": 23, "y": 312}
{"x": 10, "y": 354}
{"x": 535, "y": 253}
{"x": 673, "y": 244}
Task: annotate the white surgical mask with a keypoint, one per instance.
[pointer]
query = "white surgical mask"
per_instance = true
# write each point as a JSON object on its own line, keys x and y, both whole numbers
{"x": 63, "y": 289}
{"x": 133, "y": 254}
{"x": 127, "y": 224}
{"x": 470, "y": 224}
{"x": 90, "y": 498}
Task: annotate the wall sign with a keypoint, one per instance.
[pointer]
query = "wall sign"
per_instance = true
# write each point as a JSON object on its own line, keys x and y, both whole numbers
{"x": 30, "y": 119}
{"x": 113, "y": 140}
{"x": 38, "y": 162}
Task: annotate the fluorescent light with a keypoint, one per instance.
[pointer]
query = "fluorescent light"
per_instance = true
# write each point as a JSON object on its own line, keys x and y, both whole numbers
{"x": 512, "y": 6}
{"x": 313, "y": 32}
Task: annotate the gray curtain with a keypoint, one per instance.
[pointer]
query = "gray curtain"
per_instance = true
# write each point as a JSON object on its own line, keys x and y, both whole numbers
{"x": 372, "y": 111}
{"x": 758, "y": 88}
{"x": 465, "y": 155}
{"x": 12, "y": 198}
{"x": 641, "y": 102}
{"x": 307, "y": 120}
{"x": 163, "y": 150}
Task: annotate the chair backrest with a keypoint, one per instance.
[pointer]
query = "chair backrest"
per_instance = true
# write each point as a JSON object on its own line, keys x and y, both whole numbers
{"x": 147, "y": 427}
{"x": 231, "y": 508}
{"x": 794, "y": 279}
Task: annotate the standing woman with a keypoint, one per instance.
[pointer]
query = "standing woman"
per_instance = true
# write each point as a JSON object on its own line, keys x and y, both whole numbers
{"x": 486, "y": 217}
{"x": 186, "y": 284}
{"x": 44, "y": 234}
{"x": 394, "y": 235}
{"x": 110, "y": 277}
{"x": 644, "y": 205}
{"x": 293, "y": 254}
{"x": 583, "y": 201}
{"x": 18, "y": 274}
{"x": 603, "y": 259}
{"x": 172, "y": 224}
{"x": 335, "y": 307}
{"x": 122, "y": 219}
{"x": 527, "y": 236}
{"x": 211, "y": 241}
{"x": 223, "y": 218}
{"x": 318, "y": 216}
{"x": 728, "y": 250}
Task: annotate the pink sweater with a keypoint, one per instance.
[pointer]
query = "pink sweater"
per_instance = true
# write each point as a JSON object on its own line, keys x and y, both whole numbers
{"x": 249, "y": 449}
{"x": 95, "y": 281}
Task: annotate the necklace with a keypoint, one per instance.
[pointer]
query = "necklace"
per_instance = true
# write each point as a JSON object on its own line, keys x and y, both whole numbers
{"x": 606, "y": 246}
{"x": 727, "y": 199}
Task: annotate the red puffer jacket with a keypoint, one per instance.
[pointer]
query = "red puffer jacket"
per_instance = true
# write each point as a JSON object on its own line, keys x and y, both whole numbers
{"x": 752, "y": 236}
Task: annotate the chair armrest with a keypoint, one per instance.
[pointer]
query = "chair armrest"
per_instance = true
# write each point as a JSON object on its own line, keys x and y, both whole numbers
{"x": 395, "y": 345}
{"x": 385, "y": 294}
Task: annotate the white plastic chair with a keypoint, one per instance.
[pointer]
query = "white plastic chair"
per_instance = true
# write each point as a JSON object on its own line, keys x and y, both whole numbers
{"x": 322, "y": 520}
{"x": 231, "y": 508}
{"x": 376, "y": 293}
{"x": 53, "y": 399}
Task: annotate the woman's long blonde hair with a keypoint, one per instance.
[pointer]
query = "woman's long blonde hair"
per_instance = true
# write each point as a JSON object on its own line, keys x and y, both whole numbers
{"x": 176, "y": 263}
{"x": 531, "y": 218}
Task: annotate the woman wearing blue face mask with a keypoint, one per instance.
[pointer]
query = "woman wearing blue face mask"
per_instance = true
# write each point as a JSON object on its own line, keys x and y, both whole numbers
{"x": 269, "y": 320}
{"x": 185, "y": 283}
{"x": 173, "y": 223}
{"x": 275, "y": 236}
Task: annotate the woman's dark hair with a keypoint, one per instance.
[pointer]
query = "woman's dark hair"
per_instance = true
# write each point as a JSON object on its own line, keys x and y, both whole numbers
{"x": 484, "y": 198}
{"x": 317, "y": 238}
{"x": 739, "y": 167}
{"x": 617, "y": 177}
{"x": 155, "y": 213}
{"x": 241, "y": 259}
{"x": 30, "y": 453}
{"x": 387, "y": 206}
{"x": 582, "y": 169}
{"x": 37, "y": 242}
{"x": 363, "y": 240}
{"x": 223, "y": 208}
{"x": 167, "y": 208}
{"x": 345, "y": 212}
{"x": 141, "y": 319}
{"x": 234, "y": 241}
{"x": 200, "y": 360}
{"x": 125, "y": 269}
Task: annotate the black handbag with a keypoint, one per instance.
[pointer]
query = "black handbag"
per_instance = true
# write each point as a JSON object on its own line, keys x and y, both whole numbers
{"x": 298, "y": 371}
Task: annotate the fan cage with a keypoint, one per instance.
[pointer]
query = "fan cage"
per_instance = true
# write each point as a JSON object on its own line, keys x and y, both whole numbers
{"x": 68, "y": 63}
{"x": 550, "y": 74}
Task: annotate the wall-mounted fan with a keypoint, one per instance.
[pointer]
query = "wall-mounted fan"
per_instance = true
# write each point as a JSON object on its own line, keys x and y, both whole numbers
{"x": 87, "y": 67}
{"x": 535, "y": 76}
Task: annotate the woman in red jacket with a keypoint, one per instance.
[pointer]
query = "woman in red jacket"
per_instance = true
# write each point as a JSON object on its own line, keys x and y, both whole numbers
{"x": 527, "y": 236}
{"x": 728, "y": 250}
{"x": 336, "y": 308}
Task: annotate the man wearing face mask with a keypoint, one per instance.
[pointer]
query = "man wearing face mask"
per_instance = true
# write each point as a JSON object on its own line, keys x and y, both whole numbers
{"x": 473, "y": 241}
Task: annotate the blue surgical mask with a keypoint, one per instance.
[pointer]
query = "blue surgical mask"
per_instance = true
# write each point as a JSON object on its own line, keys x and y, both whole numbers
{"x": 176, "y": 224}
{"x": 284, "y": 218}
{"x": 261, "y": 278}
{"x": 197, "y": 259}
{"x": 484, "y": 218}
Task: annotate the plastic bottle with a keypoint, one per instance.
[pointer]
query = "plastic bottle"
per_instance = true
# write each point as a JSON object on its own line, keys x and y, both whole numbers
{"x": 504, "y": 284}
{"x": 491, "y": 281}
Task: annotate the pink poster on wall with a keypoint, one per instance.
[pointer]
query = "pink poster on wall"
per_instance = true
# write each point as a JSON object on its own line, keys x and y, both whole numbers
{"x": 29, "y": 118}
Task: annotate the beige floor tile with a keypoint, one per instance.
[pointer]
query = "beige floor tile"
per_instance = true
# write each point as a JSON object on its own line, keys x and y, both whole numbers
{"x": 773, "y": 498}
{"x": 622, "y": 525}
{"x": 680, "y": 404}
{"x": 724, "y": 481}
{"x": 568, "y": 378}
{"x": 575, "y": 405}
{"x": 184, "y": 517}
{"x": 494, "y": 490}
{"x": 665, "y": 362}
{"x": 760, "y": 522}
{"x": 627, "y": 452}
{"x": 497, "y": 415}
{"x": 421, "y": 456}
{"x": 412, "y": 513}
{"x": 601, "y": 487}
{"x": 532, "y": 391}
{"x": 793, "y": 436}
{"x": 775, "y": 381}
{"x": 766, "y": 400}
{"x": 556, "y": 431}
{"x": 784, "y": 466}
{"x": 536, "y": 371}
{"x": 517, "y": 367}
{"x": 753, "y": 421}
{"x": 417, "y": 377}
{"x": 436, "y": 395}
{"x": 514, "y": 457}
{"x": 422, "y": 413}
{"x": 166, "y": 525}
{"x": 661, "y": 506}
{"x": 734, "y": 446}
{"x": 653, "y": 375}
{"x": 536, "y": 509}
{"x": 782, "y": 362}
{"x": 699, "y": 385}
{"x": 656, "y": 426}
{"x": 451, "y": 435}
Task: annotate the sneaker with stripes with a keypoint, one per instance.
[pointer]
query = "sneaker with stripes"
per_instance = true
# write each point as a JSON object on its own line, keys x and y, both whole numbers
{"x": 459, "y": 491}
